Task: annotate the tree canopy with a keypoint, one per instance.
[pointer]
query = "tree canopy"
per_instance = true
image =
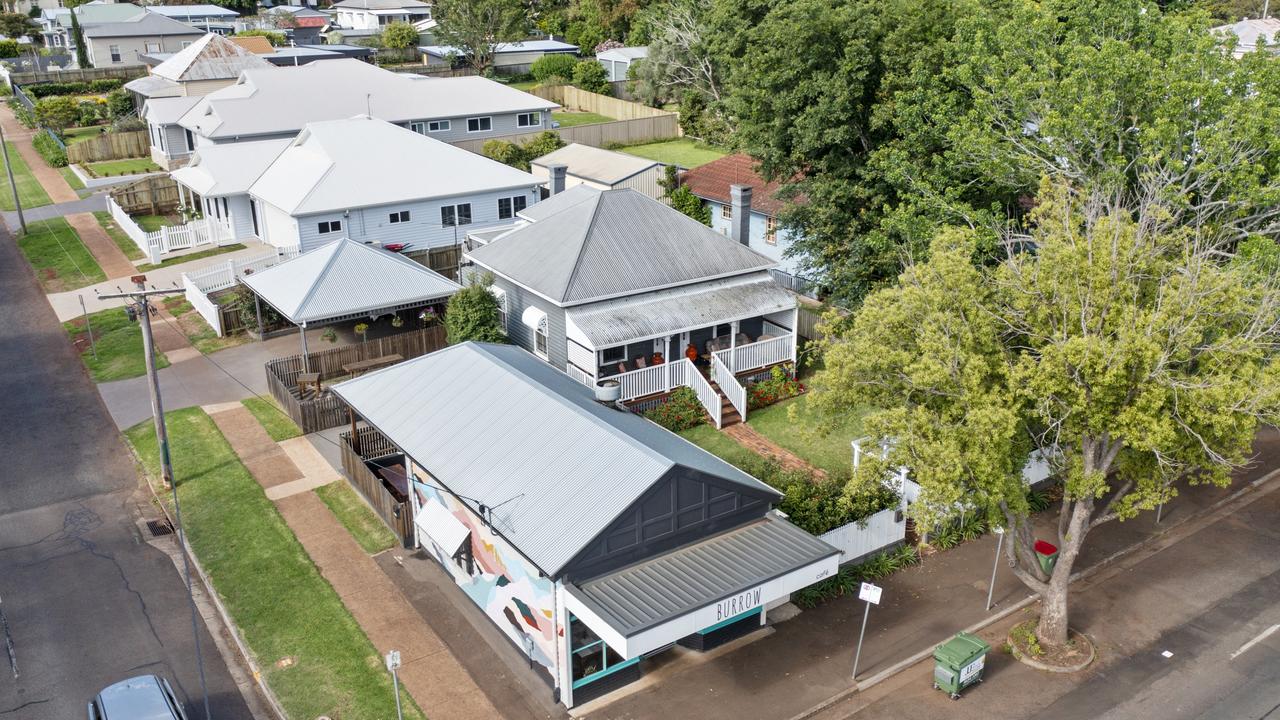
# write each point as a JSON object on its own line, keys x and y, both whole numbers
{"x": 476, "y": 26}
{"x": 399, "y": 36}
{"x": 473, "y": 314}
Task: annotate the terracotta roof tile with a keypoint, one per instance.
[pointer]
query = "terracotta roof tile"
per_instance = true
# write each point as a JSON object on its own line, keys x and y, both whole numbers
{"x": 712, "y": 181}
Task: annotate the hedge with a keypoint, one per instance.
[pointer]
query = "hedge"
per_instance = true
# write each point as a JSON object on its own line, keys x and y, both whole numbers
{"x": 50, "y": 150}
{"x": 40, "y": 90}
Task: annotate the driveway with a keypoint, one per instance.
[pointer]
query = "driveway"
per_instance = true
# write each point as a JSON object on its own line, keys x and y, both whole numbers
{"x": 85, "y": 601}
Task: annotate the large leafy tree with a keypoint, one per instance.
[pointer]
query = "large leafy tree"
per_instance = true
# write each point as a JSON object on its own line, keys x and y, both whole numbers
{"x": 473, "y": 314}
{"x": 1134, "y": 356}
{"x": 476, "y": 26}
{"x": 15, "y": 25}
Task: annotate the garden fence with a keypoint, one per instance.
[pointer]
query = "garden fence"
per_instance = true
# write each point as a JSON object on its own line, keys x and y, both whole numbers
{"x": 369, "y": 444}
{"x": 603, "y": 135}
{"x": 201, "y": 285}
{"x": 126, "y": 73}
{"x": 153, "y": 195}
{"x": 110, "y": 146}
{"x": 861, "y": 539}
{"x": 573, "y": 98}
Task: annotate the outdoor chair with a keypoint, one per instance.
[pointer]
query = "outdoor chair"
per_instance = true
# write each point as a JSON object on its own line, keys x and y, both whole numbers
{"x": 640, "y": 363}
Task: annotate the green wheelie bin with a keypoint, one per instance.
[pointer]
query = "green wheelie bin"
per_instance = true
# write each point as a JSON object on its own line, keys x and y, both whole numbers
{"x": 958, "y": 663}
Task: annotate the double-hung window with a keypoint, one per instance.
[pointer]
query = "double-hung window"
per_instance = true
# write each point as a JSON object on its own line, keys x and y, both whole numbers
{"x": 115, "y": 53}
{"x": 726, "y": 211}
{"x": 153, "y": 47}
{"x": 453, "y": 215}
{"x": 530, "y": 119}
{"x": 508, "y": 207}
{"x": 400, "y": 217}
{"x": 330, "y": 226}
{"x": 479, "y": 124}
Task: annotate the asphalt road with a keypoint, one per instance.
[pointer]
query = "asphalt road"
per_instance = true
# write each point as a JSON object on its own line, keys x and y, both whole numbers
{"x": 84, "y": 602}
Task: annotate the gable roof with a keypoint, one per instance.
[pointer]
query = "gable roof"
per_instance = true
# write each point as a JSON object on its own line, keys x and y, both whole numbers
{"x": 212, "y": 57}
{"x": 95, "y": 13}
{"x": 148, "y": 24}
{"x": 228, "y": 168}
{"x": 382, "y": 5}
{"x": 524, "y": 46}
{"x": 184, "y": 12}
{"x": 498, "y": 426}
{"x": 596, "y": 164}
{"x": 287, "y": 98}
{"x": 359, "y": 162}
{"x": 346, "y": 278}
{"x": 712, "y": 181}
{"x": 167, "y": 110}
{"x": 612, "y": 244}
{"x": 627, "y": 54}
{"x": 559, "y": 201}
{"x": 255, "y": 44}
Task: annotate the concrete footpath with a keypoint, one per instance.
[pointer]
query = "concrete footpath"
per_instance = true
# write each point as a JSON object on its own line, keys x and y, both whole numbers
{"x": 430, "y": 673}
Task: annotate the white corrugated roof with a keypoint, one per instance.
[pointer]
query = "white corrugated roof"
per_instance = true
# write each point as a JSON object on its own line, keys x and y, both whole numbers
{"x": 167, "y": 110}
{"x": 229, "y": 168}
{"x": 624, "y": 53}
{"x": 182, "y": 12}
{"x": 1250, "y": 31}
{"x": 596, "y": 164}
{"x": 544, "y": 46}
{"x": 148, "y": 23}
{"x": 347, "y": 278}
{"x": 498, "y": 426}
{"x": 152, "y": 86}
{"x": 287, "y": 98}
{"x": 359, "y": 162}
{"x": 212, "y": 57}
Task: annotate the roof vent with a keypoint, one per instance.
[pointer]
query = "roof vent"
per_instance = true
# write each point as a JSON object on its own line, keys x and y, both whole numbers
{"x": 608, "y": 392}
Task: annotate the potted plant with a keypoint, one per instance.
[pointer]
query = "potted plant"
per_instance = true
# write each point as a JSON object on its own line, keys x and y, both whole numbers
{"x": 397, "y": 321}
{"x": 428, "y": 317}
{"x": 361, "y": 328}
{"x": 329, "y": 335}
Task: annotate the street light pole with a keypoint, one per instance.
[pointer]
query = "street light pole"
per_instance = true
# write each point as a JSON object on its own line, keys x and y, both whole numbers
{"x": 995, "y": 566}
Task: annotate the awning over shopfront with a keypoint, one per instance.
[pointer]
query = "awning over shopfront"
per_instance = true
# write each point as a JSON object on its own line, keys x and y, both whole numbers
{"x": 676, "y": 310}
{"x": 649, "y": 605}
{"x": 445, "y": 530}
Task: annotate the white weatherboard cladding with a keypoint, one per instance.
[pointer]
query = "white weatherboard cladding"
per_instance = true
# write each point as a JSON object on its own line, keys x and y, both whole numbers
{"x": 280, "y": 229}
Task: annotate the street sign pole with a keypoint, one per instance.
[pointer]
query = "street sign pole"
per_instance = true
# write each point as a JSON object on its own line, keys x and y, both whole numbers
{"x": 871, "y": 594}
{"x": 995, "y": 566}
{"x": 393, "y": 662}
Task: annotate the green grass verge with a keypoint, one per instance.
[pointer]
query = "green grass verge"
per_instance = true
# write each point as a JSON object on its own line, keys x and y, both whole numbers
{"x": 273, "y": 591}
{"x": 683, "y": 152}
{"x": 30, "y": 191}
{"x": 132, "y": 166}
{"x": 721, "y": 445}
{"x": 78, "y": 135}
{"x": 524, "y": 86}
{"x": 355, "y": 515}
{"x": 830, "y": 451}
{"x": 191, "y": 256}
{"x": 119, "y": 345}
{"x": 72, "y": 178}
{"x": 152, "y": 223}
{"x": 569, "y": 119}
{"x": 278, "y": 425}
{"x": 122, "y": 241}
{"x": 60, "y": 258}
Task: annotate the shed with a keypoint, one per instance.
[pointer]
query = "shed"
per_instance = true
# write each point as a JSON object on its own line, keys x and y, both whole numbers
{"x": 618, "y": 61}
{"x": 601, "y": 169}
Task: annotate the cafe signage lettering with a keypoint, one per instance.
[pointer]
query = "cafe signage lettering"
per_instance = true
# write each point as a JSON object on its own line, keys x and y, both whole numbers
{"x": 737, "y": 604}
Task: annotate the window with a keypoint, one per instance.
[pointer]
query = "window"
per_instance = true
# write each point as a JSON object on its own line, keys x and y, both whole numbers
{"x": 533, "y": 119}
{"x": 540, "y": 338}
{"x": 479, "y": 124}
{"x": 508, "y": 207}
{"x": 438, "y": 126}
{"x": 590, "y": 658}
{"x": 115, "y": 53}
{"x": 330, "y": 226}
{"x": 400, "y": 217}
{"x": 418, "y": 127}
{"x": 771, "y": 230}
{"x": 451, "y": 215}
{"x": 153, "y": 47}
{"x": 186, "y": 44}
{"x": 191, "y": 139}
{"x": 726, "y": 211}
{"x": 501, "y": 296}
{"x": 612, "y": 355}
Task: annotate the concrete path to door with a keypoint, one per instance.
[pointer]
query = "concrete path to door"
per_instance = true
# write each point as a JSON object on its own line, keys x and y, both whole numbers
{"x": 430, "y": 672}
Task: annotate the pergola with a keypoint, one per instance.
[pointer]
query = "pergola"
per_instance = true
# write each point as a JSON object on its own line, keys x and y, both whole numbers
{"x": 345, "y": 280}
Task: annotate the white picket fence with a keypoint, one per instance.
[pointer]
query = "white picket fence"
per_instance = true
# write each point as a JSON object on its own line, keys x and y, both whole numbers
{"x": 199, "y": 284}
{"x": 169, "y": 239}
{"x": 207, "y": 308}
{"x": 857, "y": 540}
{"x": 660, "y": 379}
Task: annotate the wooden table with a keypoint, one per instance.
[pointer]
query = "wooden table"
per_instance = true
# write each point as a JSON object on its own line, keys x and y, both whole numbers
{"x": 356, "y": 368}
{"x": 305, "y": 379}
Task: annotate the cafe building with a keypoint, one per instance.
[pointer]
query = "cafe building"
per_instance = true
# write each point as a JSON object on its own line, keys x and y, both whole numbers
{"x": 592, "y": 537}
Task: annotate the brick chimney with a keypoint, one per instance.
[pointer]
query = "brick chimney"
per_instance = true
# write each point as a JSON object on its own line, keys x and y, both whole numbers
{"x": 740, "y": 206}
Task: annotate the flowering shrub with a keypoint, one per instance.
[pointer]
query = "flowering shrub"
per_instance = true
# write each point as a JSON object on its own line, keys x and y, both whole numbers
{"x": 779, "y": 386}
{"x": 680, "y": 412}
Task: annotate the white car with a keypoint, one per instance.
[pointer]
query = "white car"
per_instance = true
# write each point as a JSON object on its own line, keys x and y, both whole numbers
{"x": 146, "y": 697}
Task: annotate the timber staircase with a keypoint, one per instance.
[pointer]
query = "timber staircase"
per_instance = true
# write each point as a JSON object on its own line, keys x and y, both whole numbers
{"x": 729, "y": 415}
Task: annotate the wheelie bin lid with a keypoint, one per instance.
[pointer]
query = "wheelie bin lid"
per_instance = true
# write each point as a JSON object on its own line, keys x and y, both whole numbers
{"x": 960, "y": 650}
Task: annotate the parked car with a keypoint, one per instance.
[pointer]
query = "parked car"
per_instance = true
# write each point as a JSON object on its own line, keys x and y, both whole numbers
{"x": 146, "y": 697}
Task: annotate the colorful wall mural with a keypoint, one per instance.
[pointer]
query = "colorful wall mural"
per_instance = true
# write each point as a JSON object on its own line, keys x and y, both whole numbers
{"x": 503, "y": 584}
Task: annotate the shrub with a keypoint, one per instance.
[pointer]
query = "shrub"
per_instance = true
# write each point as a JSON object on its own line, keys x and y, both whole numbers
{"x": 681, "y": 411}
{"x": 851, "y": 577}
{"x": 778, "y": 387}
{"x": 818, "y": 504}
{"x": 590, "y": 76}
{"x": 275, "y": 38}
{"x": 57, "y": 113}
{"x": 90, "y": 112}
{"x": 473, "y": 314}
{"x": 105, "y": 85}
{"x": 51, "y": 89}
{"x": 21, "y": 112}
{"x": 127, "y": 123}
{"x": 518, "y": 156}
{"x": 8, "y": 48}
{"x": 549, "y": 66}
{"x": 399, "y": 36}
{"x": 119, "y": 104}
{"x": 49, "y": 149}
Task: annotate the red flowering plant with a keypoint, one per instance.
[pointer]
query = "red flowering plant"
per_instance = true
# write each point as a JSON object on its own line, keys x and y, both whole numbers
{"x": 780, "y": 386}
{"x": 681, "y": 411}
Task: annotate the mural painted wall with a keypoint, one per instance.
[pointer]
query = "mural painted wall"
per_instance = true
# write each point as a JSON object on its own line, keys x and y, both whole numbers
{"x": 503, "y": 584}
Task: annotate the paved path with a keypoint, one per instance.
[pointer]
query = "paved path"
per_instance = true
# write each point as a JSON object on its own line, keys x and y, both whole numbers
{"x": 93, "y": 203}
{"x": 749, "y": 438}
{"x": 50, "y": 179}
{"x": 110, "y": 257}
{"x": 430, "y": 673}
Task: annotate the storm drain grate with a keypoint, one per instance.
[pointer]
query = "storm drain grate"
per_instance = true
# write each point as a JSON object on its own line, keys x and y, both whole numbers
{"x": 159, "y": 528}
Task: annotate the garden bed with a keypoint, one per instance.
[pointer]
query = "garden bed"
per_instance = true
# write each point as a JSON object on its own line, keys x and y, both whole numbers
{"x": 113, "y": 168}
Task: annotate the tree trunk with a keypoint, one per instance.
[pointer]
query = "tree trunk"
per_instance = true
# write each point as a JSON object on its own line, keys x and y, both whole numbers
{"x": 1052, "y": 629}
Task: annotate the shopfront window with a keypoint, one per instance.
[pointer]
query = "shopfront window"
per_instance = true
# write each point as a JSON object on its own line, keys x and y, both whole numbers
{"x": 592, "y": 658}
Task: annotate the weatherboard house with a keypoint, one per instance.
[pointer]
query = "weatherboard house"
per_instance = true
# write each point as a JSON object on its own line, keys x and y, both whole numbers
{"x": 506, "y": 454}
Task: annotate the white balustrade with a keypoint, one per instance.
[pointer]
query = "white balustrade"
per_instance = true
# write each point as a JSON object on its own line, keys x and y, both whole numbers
{"x": 758, "y": 354}
{"x": 706, "y": 394}
{"x": 729, "y": 385}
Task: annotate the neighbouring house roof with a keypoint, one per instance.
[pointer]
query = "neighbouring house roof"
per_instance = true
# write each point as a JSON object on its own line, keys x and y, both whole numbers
{"x": 184, "y": 12}
{"x": 167, "y": 110}
{"x": 346, "y": 279}
{"x": 308, "y": 21}
{"x": 543, "y": 46}
{"x": 498, "y": 426}
{"x": 148, "y": 24}
{"x": 271, "y": 102}
{"x": 628, "y": 319}
{"x": 95, "y": 13}
{"x": 1250, "y": 31}
{"x": 382, "y": 5}
{"x": 212, "y": 57}
{"x": 360, "y": 162}
{"x": 229, "y": 168}
{"x": 299, "y": 11}
{"x": 625, "y": 54}
{"x": 153, "y": 86}
{"x": 255, "y": 44}
{"x": 596, "y": 164}
{"x": 560, "y": 201}
{"x": 712, "y": 181}
{"x": 612, "y": 244}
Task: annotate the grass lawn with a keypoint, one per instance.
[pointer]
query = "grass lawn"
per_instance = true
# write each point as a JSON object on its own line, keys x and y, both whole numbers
{"x": 80, "y": 134}
{"x": 179, "y": 259}
{"x": 198, "y": 331}
{"x": 29, "y": 190}
{"x": 278, "y": 425}
{"x": 831, "y": 452}
{"x": 152, "y": 223}
{"x": 683, "y": 152}
{"x": 126, "y": 245}
{"x": 717, "y": 443}
{"x": 72, "y": 179}
{"x": 119, "y": 344}
{"x": 277, "y": 597}
{"x": 366, "y": 527}
{"x": 131, "y": 166}
{"x": 524, "y": 86}
{"x": 61, "y": 260}
{"x": 569, "y": 119}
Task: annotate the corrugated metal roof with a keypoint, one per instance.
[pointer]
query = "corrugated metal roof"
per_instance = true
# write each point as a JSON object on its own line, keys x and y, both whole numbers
{"x": 618, "y": 242}
{"x": 152, "y": 86}
{"x": 148, "y": 23}
{"x": 543, "y": 46}
{"x": 167, "y": 110}
{"x": 651, "y": 592}
{"x": 187, "y": 12}
{"x": 560, "y": 201}
{"x": 624, "y": 53}
{"x": 229, "y": 168}
{"x": 596, "y": 164}
{"x": 498, "y": 426}
{"x": 212, "y": 57}
{"x": 612, "y": 323}
{"x": 346, "y": 278}
{"x": 358, "y": 162}
{"x": 382, "y": 4}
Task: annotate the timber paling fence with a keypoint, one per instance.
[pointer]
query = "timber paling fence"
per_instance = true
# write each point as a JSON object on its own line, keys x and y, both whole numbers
{"x": 313, "y": 414}
{"x": 369, "y": 444}
{"x": 110, "y": 146}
